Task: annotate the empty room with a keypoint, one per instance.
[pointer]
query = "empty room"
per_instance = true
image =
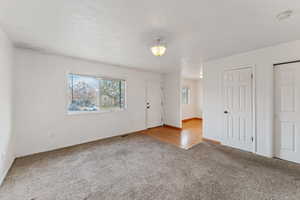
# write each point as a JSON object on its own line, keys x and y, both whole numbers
{"x": 149, "y": 100}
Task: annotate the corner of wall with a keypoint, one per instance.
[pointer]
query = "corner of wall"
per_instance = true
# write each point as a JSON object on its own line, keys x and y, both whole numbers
{"x": 6, "y": 170}
{"x": 172, "y": 104}
{"x": 7, "y": 146}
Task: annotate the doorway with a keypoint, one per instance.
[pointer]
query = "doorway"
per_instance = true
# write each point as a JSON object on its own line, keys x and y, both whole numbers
{"x": 287, "y": 113}
{"x": 191, "y": 110}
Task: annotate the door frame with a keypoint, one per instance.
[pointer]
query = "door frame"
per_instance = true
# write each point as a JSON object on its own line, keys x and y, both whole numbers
{"x": 253, "y": 82}
{"x": 146, "y": 101}
{"x": 274, "y": 135}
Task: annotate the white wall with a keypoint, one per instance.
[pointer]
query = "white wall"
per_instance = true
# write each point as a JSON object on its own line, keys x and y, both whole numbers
{"x": 262, "y": 60}
{"x": 6, "y": 109}
{"x": 193, "y": 109}
{"x": 200, "y": 98}
{"x": 42, "y": 123}
{"x": 172, "y": 98}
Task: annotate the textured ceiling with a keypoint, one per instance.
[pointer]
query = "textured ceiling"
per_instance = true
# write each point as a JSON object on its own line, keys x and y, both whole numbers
{"x": 121, "y": 32}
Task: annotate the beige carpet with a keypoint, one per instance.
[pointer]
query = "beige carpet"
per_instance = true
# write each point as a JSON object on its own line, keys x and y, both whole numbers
{"x": 139, "y": 167}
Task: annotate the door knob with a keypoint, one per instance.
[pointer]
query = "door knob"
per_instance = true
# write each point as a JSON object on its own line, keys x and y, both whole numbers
{"x": 226, "y": 112}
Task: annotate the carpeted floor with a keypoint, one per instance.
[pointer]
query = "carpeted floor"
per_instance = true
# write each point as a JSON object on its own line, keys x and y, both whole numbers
{"x": 139, "y": 167}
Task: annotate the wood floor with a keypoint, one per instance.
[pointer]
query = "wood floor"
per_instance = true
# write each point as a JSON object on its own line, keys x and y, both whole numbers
{"x": 190, "y": 135}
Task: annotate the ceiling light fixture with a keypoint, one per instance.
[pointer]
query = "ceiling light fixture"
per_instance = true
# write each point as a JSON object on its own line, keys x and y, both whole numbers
{"x": 159, "y": 49}
{"x": 284, "y": 15}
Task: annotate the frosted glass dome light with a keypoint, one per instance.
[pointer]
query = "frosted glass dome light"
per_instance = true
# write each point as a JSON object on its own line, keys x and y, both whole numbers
{"x": 158, "y": 49}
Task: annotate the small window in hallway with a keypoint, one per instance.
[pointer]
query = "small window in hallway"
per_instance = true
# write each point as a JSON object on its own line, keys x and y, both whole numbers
{"x": 186, "y": 95}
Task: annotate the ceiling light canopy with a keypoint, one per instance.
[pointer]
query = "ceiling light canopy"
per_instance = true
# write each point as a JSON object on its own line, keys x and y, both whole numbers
{"x": 159, "y": 49}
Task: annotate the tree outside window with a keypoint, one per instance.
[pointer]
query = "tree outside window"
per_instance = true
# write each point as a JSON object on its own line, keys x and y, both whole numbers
{"x": 87, "y": 93}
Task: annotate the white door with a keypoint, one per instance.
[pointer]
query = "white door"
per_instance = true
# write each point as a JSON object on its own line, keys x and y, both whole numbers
{"x": 238, "y": 109}
{"x": 153, "y": 104}
{"x": 287, "y": 112}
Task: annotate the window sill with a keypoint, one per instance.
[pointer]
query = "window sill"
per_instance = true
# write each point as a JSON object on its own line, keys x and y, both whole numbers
{"x": 96, "y": 112}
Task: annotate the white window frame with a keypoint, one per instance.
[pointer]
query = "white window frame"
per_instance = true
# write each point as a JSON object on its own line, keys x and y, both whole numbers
{"x": 99, "y": 111}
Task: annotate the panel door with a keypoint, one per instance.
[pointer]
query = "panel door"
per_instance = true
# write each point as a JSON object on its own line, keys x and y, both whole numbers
{"x": 238, "y": 109}
{"x": 153, "y": 104}
{"x": 287, "y": 114}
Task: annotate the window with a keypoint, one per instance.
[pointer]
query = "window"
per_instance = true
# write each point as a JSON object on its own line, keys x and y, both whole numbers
{"x": 112, "y": 94}
{"x": 93, "y": 94}
{"x": 186, "y": 95}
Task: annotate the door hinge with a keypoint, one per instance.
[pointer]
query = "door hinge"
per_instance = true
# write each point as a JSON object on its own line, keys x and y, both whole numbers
{"x": 252, "y": 139}
{"x": 252, "y": 76}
